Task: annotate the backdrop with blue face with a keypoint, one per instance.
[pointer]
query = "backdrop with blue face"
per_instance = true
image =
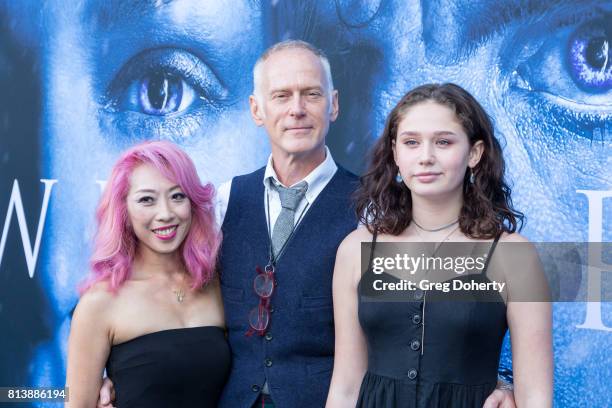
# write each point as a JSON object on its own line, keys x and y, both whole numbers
{"x": 84, "y": 80}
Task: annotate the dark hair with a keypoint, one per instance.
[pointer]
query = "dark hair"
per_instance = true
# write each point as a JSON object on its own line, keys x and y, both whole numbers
{"x": 384, "y": 205}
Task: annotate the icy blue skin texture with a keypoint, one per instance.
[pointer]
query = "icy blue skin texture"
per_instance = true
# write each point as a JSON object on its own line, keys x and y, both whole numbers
{"x": 113, "y": 73}
{"x": 98, "y": 76}
{"x": 543, "y": 71}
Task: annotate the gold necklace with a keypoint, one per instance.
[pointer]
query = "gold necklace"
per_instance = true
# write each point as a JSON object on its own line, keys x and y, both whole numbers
{"x": 180, "y": 292}
{"x": 180, "y": 295}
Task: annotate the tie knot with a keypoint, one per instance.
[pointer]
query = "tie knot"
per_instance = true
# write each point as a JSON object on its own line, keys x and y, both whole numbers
{"x": 290, "y": 197}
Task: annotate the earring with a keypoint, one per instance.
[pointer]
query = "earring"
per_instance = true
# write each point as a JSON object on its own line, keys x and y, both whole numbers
{"x": 472, "y": 178}
{"x": 398, "y": 177}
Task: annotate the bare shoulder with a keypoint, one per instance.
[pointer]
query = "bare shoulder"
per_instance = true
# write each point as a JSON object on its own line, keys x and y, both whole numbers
{"x": 513, "y": 237}
{"x": 515, "y": 256}
{"x": 95, "y": 303}
{"x": 353, "y": 240}
{"x": 512, "y": 246}
{"x": 517, "y": 245}
{"x": 348, "y": 256}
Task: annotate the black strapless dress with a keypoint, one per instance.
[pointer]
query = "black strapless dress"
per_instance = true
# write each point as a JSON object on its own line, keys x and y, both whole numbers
{"x": 452, "y": 361}
{"x": 170, "y": 368}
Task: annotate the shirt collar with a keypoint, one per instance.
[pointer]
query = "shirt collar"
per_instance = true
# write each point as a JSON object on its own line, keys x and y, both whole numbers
{"x": 316, "y": 179}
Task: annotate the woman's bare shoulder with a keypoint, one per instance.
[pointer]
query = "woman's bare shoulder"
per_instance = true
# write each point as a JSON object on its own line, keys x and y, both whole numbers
{"x": 95, "y": 302}
{"x": 513, "y": 237}
{"x": 348, "y": 255}
{"x": 357, "y": 236}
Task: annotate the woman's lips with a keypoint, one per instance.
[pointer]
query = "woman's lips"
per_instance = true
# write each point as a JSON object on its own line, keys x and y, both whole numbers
{"x": 166, "y": 233}
{"x": 428, "y": 177}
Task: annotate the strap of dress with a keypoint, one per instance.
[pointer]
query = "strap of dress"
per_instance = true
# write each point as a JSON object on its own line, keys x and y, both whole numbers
{"x": 484, "y": 270}
{"x": 374, "y": 235}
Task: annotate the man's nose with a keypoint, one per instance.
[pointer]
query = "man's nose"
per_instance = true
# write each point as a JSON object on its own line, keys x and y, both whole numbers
{"x": 296, "y": 108}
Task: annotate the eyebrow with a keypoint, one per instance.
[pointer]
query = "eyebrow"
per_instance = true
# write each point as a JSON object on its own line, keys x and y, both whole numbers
{"x": 437, "y": 133}
{"x": 304, "y": 89}
{"x": 462, "y": 25}
{"x": 150, "y": 190}
{"x": 108, "y": 12}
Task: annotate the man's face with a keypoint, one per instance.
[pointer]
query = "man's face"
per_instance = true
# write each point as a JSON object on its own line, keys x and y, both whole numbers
{"x": 90, "y": 78}
{"x": 294, "y": 103}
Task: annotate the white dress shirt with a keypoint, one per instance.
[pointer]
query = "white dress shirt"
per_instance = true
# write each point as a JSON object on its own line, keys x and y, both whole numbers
{"x": 316, "y": 179}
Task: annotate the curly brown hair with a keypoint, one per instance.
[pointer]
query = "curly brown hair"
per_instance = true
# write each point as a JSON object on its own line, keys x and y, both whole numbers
{"x": 385, "y": 206}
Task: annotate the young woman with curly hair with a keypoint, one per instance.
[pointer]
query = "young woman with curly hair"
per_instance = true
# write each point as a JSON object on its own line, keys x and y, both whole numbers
{"x": 437, "y": 176}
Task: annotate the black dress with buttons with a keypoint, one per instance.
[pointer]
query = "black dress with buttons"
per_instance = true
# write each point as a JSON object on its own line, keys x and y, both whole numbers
{"x": 457, "y": 364}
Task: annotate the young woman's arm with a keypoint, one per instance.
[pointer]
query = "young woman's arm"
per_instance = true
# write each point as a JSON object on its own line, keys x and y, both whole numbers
{"x": 350, "y": 358}
{"x": 529, "y": 314}
{"x": 530, "y": 333}
{"x": 88, "y": 348}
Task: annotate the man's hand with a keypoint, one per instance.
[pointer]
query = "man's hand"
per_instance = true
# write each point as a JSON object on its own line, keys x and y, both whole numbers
{"x": 500, "y": 399}
{"x": 107, "y": 394}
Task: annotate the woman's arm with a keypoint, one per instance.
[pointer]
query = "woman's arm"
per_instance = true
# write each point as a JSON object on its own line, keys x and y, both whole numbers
{"x": 529, "y": 316}
{"x": 350, "y": 359}
{"x": 531, "y": 336}
{"x": 88, "y": 348}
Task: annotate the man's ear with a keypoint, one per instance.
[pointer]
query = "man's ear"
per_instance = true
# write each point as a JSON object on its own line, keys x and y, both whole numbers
{"x": 334, "y": 109}
{"x": 256, "y": 111}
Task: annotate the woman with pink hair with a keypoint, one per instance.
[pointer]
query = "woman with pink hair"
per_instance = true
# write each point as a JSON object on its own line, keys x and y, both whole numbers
{"x": 151, "y": 310}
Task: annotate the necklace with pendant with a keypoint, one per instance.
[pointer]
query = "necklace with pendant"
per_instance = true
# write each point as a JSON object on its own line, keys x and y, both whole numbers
{"x": 180, "y": 295}
{"x": 180, "y": 292}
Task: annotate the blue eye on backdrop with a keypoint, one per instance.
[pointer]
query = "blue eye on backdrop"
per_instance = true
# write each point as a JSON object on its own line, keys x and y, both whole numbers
{"x": 164, "y": 93}
{"x": 590, "y": 55}
{"x": 560, "y": 64}
{"x": 570, "y": 61}
{"x": 164, "y": 81}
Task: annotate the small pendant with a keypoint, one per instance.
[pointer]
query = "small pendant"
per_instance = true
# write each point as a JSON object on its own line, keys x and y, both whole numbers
{"x": 180, "y": 295}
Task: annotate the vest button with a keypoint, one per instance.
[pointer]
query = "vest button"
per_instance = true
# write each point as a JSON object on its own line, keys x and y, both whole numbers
{"x": 415, "y": 345}
{"x": 255, "y": 388}
{"x": 412, "y": 374}
{"x": 416, "y": 319}
{"x": 418, "y": 294}
{"x": 268, "y": 336}
{"x": 271, "y": 309}
{"x": 268, "y": 362}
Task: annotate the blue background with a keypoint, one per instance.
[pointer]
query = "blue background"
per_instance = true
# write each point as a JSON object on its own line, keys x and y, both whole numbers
{"x": 78, "y": 81}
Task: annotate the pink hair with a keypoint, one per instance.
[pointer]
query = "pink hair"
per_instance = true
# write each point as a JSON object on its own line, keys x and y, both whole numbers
{"x": 115, "y": 243}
